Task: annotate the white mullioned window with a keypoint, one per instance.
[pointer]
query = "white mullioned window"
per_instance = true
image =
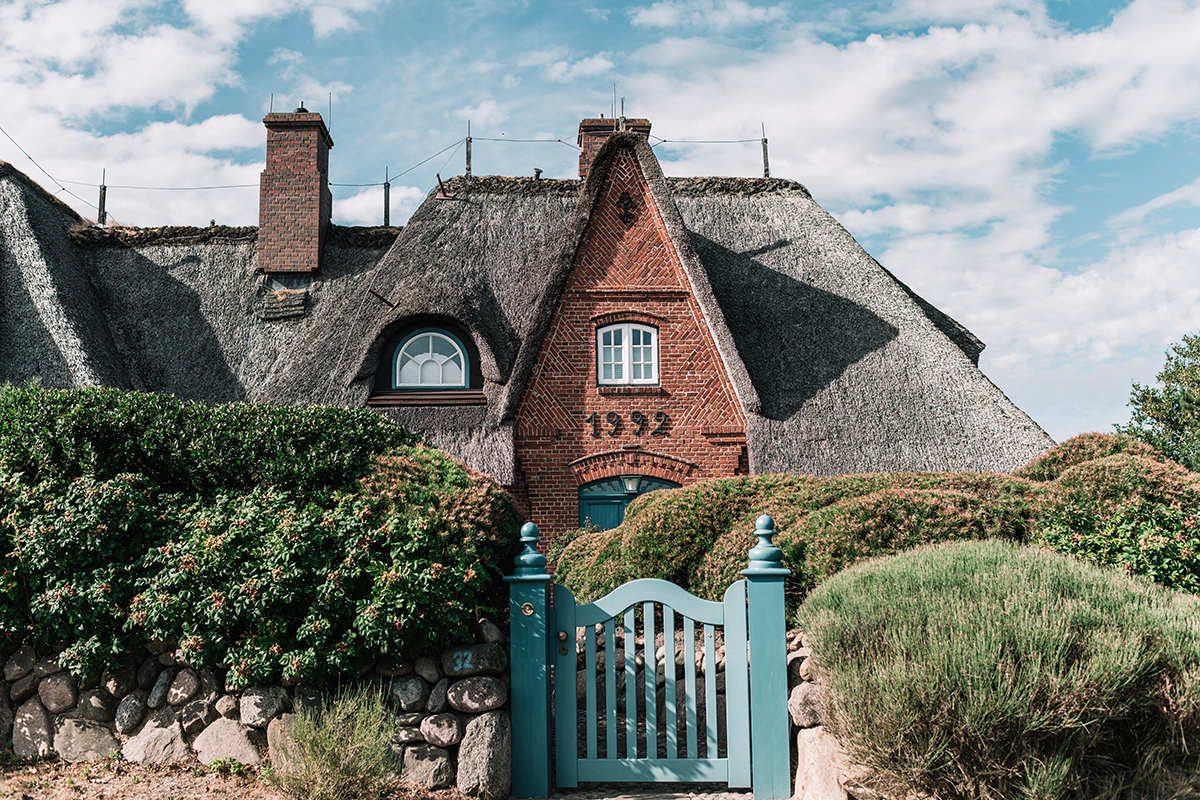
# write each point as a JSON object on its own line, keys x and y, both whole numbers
{"x": 430, "y": 359}
{"x": 626, "y": 353}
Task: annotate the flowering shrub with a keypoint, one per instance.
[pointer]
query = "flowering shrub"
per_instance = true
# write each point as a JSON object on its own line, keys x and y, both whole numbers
{"x": 303, "y": 581}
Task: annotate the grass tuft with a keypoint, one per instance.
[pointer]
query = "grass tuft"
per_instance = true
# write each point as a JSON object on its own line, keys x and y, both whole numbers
{"x": 340, "y": 752}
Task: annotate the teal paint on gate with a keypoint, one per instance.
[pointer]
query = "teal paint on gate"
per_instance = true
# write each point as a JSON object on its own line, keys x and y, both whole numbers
{"x": 768, "y": 646}
{"x": 529, "y": 660}
{"x": 756, "y": 742}
{"x": 634, "y": 761}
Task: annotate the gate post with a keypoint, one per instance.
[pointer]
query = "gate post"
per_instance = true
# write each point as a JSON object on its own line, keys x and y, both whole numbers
{"x": 770, "y": 756}
{"x": 529, "y": 657}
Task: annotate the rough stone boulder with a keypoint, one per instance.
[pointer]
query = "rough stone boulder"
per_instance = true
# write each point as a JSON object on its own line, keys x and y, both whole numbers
{"x": 83, "y": 740}
{"x": 477, "y": 695}
{"x": 429, "y": 766}
{"x": 160, "y": 741}
{"x": 32, "y": 736}
{"x": 261, "y": 704}
{"x": 485, "y": 757}
{"x": 225, "y": 739}
{"x": 477, "y": 659}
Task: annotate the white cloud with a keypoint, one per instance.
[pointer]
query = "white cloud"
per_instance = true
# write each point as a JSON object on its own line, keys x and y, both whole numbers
{"x": 709, "y": 14}
{"x": 366, "y": 207}
{"x": 486, "y": 112}
{"x": 1131, "y": 218}
{"x": 937, "y": 145}
{"x": 562, "y": 71}
{"x": 327, "y": 20}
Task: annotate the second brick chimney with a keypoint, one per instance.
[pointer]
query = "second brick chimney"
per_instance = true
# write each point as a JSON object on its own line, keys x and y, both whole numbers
{"x": 294, "y": 201}
{"x": 593, "y": 132}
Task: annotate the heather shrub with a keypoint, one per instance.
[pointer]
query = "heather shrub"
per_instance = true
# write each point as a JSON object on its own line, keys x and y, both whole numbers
{"x": 990, "y": 670}
{"x": 698, "y": 536}
{"x": 1079, "y": 449}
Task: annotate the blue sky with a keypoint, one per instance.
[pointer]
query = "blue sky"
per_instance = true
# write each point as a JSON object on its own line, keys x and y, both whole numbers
{"x": 1031, "y": 167}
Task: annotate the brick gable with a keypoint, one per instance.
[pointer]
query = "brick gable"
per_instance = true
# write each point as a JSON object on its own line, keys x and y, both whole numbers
{"x": 626, "y": 269}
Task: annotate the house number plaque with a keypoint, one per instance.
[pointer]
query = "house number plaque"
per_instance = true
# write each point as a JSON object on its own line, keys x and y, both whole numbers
{"x": 613, "y": 420}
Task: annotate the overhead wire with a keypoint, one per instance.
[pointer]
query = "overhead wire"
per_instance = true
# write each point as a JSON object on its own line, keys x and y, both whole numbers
{"x": 47, "y": 174}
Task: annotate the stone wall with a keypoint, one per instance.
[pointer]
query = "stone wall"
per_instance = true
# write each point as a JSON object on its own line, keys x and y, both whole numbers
{"x": 451, "y": 720}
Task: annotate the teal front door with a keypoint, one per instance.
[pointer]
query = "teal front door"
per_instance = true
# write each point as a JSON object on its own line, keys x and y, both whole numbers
{"x": 602, "y": 503}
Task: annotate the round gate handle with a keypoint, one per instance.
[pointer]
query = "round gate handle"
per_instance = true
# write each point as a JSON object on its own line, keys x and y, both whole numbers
{"x": 527, "y": 609}
{"x": 562, "y": 636}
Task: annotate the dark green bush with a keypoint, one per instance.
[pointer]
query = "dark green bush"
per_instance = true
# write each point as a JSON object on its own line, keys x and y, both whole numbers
{"x": 303, "y": 579}
{"x": 59, "y": 434}
{"x": 988, "y": 670}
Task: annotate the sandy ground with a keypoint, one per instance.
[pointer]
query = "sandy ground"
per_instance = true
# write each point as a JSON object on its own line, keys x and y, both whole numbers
{"x": 120, "y": 780}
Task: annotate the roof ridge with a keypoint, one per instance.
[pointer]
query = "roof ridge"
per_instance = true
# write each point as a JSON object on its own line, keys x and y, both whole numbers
{"x": 7, "y": 168}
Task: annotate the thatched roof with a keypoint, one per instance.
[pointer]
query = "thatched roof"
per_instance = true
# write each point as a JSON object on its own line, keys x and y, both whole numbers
{"x": 839, "y": 366}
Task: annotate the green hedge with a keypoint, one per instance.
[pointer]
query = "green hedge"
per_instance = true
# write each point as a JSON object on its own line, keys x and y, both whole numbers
{"x": 1107, "y": 498}
{"x": 59, "y": 434}
{"x": 330, "y": 539}
{"x": 991, "y": 670}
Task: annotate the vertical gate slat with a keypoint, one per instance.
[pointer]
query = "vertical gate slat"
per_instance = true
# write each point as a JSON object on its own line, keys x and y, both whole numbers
{"x": 671, "y": 712}
{"x": 650, "y": 673}
{"x": 610, "y": 685}
{"x": 737, "y": 691}
{"x": 566, "y": 719}
{"x": 631, "y": 749}
{"x": 590, "y": 680}
{"x": 710, "y": 691}
{"x": 689, "y": 673}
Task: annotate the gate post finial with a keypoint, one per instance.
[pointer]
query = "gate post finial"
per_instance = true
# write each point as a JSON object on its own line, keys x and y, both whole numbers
{"x": 530, "y": 562}
{"x": 769, "y": 747}
{"x": 765, "y": 555}
{"x": 529, "y": 616}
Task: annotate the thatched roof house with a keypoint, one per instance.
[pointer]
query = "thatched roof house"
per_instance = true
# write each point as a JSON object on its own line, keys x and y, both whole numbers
{"x": 580, "y": 341}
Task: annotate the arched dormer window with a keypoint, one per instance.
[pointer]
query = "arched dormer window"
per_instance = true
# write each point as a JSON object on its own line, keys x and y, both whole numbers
{"x": 626, "y": 353}
{"x": 428, "y": 361}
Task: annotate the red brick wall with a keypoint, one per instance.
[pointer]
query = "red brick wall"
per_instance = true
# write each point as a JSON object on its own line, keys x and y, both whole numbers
{"x": 594, "y": 132}
{"x": 624, "y": 272}
{"x": 294, "y": 202}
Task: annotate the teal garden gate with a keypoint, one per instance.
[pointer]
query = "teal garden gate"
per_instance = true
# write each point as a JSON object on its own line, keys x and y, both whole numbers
{"x": 649, "y": 727}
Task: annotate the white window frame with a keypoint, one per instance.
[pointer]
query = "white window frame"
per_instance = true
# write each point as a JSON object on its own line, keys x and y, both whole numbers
{"x": 626, "y": 362}
{"x": 461, "y": 352}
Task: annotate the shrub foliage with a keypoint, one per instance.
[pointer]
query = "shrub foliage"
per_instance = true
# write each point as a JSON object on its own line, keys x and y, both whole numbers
{"x": 1168, "y": 418}
{"x": 987, "y": 670}
{"x": 1107, "y": 498}
{"x": 315, "y": 551}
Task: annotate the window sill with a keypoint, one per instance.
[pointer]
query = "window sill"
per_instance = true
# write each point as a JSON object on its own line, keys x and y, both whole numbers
{"x": 632, "y": 389}
{"x": 449, "y": 397}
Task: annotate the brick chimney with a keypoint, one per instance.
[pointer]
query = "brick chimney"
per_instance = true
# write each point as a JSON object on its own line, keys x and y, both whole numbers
{"x": 294, "y": 201}
{"x": 593, "y": 132}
